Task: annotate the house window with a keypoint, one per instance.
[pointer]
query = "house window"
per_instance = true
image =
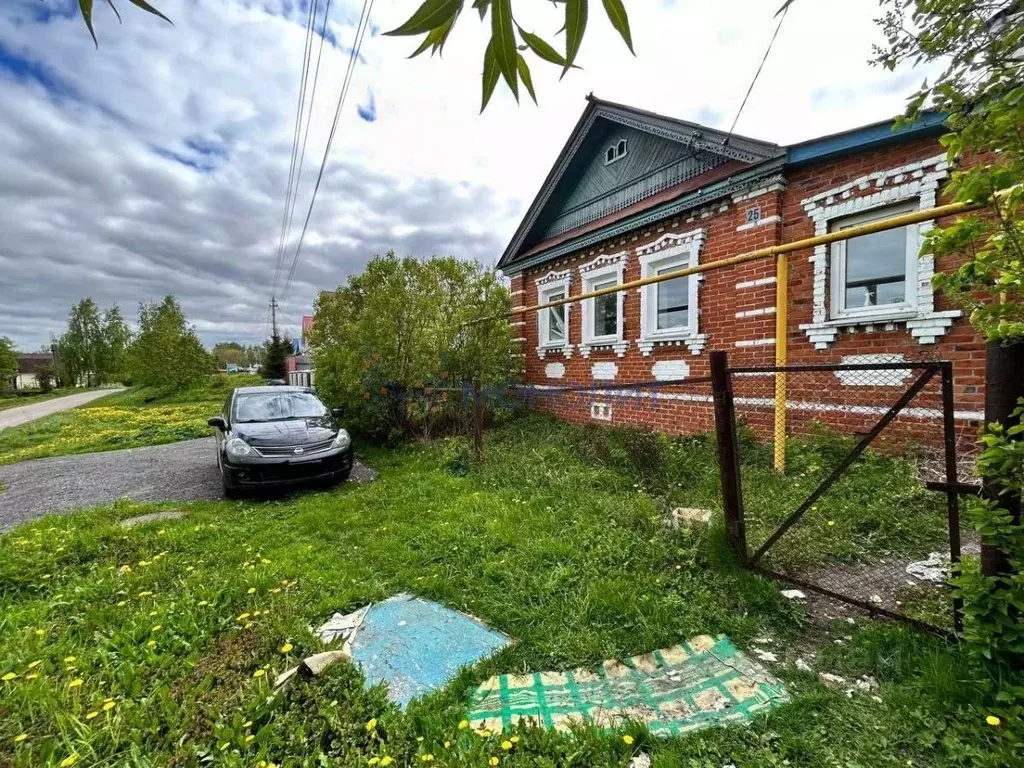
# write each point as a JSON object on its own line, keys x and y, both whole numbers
{"x": 673, "y": 301}
{"x": 615, "y": 152}
{"x": 602, "y": 321}
{"x": 553, "y": 322}
{"x": 668, "y": 310}
{"x": 555, "y": 325}
{"x": 606, "y": 311}
{"x": 874, "y": 274}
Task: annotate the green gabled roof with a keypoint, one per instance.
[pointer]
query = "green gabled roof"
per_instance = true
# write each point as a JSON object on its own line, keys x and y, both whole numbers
{"x": 586, "y": 140}
{"x": 745, "y": 161}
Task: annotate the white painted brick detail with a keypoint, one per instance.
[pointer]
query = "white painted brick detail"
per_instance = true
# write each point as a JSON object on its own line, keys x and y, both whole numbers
{"x": 554, "y": 370}
{"x": 768, "y": 403}
{"x": 756, "y": 312}
{"x": 881, "y": 378}
{"x": 758, "y": 223}
{"x": 601, "y": 411}
{"x": 756, "y": 343}
{"x": 755, "y": 283}
{"x": 667, "y": 370}
{"x": 604, "y": 371}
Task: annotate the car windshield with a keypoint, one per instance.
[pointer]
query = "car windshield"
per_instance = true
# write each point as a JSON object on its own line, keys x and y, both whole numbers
{"x": 277, "y": 406}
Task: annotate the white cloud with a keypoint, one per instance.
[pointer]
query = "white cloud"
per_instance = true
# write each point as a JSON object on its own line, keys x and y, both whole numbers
{"x": 158, "y": 162}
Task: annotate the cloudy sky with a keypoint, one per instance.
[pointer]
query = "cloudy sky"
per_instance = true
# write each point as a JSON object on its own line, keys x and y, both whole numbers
{"x": 158, "y": 162}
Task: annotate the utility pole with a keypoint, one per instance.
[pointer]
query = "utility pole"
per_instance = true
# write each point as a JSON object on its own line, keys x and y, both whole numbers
{"x": 273, "y": 316}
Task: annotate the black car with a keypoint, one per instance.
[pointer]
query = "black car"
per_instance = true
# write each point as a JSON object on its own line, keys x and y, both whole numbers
{"x": 276, "y": 436}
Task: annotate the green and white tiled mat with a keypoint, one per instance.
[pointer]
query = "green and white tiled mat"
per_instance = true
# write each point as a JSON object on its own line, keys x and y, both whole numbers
{"x": 698, "y": 683}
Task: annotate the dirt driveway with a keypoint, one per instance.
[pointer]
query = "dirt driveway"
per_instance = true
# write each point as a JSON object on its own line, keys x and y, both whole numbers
{"x": 185, "y": 471}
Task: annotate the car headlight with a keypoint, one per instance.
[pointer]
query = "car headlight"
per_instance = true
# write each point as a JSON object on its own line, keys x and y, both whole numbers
{"x": 237, "y": 447}
{"x": 342, "y": 440}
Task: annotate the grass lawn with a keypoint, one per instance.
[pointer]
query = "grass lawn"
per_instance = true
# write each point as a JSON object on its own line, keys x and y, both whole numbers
{"x": 130, "y": 419}
{"x": 154, "y": 646}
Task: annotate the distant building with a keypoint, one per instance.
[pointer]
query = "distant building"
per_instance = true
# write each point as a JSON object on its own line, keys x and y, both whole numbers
{"x": 28, "y": 368}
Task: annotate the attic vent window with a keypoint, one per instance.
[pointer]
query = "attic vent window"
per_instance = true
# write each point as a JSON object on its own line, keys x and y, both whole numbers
{"x": 615, "y": 152}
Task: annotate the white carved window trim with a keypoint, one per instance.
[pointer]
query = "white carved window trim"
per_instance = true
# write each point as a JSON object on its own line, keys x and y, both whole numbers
{"x": 672, "y": 249}
{"x": 838, "y": 311}
{"x": 600, "y": 270}
{"x": 916, "y": 181}
{"x": 553, "y": 283}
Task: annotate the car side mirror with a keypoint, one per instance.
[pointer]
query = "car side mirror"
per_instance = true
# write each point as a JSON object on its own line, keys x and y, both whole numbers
{"x": 337, "y": 412}
{"x": 217, "y": 422}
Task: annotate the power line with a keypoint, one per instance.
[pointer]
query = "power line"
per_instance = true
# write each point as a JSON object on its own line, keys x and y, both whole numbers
{"x": 299, "y": 109}
{"x": 783, "y": 11}
{"x": 364, "y": 20}
{"x": 309, "y": 122}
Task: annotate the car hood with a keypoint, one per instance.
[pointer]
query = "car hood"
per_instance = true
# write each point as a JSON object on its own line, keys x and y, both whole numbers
{"x": 291, "y": 432}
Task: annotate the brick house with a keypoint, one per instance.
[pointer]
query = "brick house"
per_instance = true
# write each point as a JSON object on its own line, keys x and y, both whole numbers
{"x": 634, "y": 194}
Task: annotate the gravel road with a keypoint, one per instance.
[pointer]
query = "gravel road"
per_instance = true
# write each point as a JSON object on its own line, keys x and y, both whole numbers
{"x": 12, "y": 417}
{"x": 185, "y": 471}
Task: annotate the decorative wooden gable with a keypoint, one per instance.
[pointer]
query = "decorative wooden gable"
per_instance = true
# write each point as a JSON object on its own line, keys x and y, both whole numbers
{"x": 618, "y": 157}
{"x": 628, "y": 166}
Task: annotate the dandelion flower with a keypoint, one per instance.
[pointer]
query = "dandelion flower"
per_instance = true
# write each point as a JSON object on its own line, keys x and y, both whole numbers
{"x": 203, "y": 603}
{"x": 447, "y": 744}
{"x": 91, "y": 715}
{"x": 147, "y": 593}
{"x": 259, "y": 673}
{"x": 32, "y": 676}
{"x": 108, "y": 706}
{"x": 287, "y": 648}
{"x": 249, "y": 738}
{"x": 158, "y": 627}
{"x": 151, "y": 644}
{"x": 506, "y": 745}
{"x": 831, "y": 522}
{"x": 9, "y": 676}
{"x": 373, "y": 760}
{"x": 40, "y": 632}
{"x": 70, "y": 760}
{"x": 427, "y": 758}
{"x": 386, "y": 760}
{"x": 34, "y": 664}
{"x": 69, "y": 659}
{"x": 251, "y": 591}
{"x": 76, "y": 683}
{"x": 993, "y": 720}
{"x": 493, "y": 761}
{"x": 20, "y": 738}
{"x": 463, "y": 725}
{"x": 247, "y": 724}
{"x": 122, "y": 604}
{"x": 514, "y": 739}
{"x": 627, "y": 739}
{"x": 242, "y": 616}
{"x": 275, "y": 591}
{"x": 371, "y": 724}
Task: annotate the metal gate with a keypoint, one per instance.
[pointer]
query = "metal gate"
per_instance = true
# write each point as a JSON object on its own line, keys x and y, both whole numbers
{"x": 901, "y": 401}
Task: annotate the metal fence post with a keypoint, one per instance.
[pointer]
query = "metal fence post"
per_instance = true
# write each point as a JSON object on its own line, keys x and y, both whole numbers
{"x": 478, "y": 420}
{"x": 728, "y": 454}
{"x": 952, "y": 485}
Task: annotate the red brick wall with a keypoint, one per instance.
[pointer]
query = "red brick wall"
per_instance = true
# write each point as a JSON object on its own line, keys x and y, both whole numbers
{"x": 720, "y": 300}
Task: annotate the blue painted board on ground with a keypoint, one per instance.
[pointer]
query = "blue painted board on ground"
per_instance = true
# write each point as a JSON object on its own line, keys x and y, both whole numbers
{"x": 416, "y": 646}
